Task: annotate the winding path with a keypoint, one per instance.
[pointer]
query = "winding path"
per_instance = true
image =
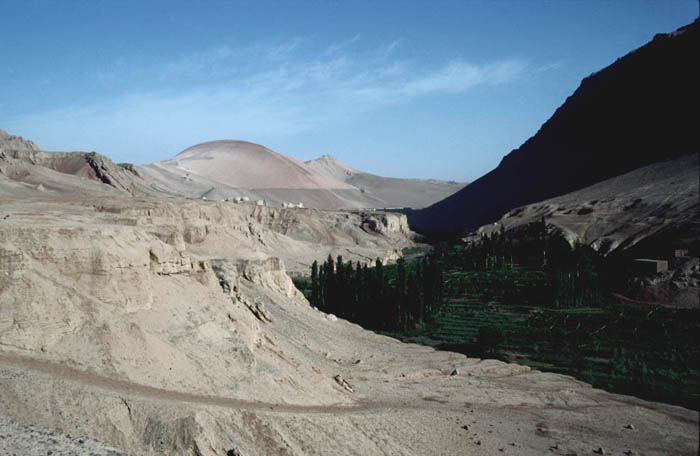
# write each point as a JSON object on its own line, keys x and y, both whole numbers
{"x": 148, "y": 392}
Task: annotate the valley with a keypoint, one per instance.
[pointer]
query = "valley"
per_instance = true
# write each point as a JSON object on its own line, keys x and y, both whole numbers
{"x": 235, "y": 301}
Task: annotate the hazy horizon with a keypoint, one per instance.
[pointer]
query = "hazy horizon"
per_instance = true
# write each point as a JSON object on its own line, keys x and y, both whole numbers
{"x": 441, "y": 90}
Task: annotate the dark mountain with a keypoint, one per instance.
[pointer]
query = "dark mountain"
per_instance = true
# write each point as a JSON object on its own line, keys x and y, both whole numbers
{"x": 639, "y": 110}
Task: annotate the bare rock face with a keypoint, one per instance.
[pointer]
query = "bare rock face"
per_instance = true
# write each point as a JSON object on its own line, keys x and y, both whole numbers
{"x": 385, "y": 223}
{"x": 22, "y": 161}
{"x": 113, "y": 271}
{"x": 11, "y": 143}
{"x": 90, "y": 165}
{"x": 268, "y": 273}
{"x": 166, "y": 260}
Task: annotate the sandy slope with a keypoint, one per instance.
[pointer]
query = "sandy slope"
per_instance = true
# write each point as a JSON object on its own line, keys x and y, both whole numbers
{"x": 248, "y": 165}
{"x": 227, "y": 169}
{"x": 395, "y": 192}
{"x": 220, "y": 170}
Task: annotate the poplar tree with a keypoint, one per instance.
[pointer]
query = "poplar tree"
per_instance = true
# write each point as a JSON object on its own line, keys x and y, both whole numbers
{"x": 315, "y": 298}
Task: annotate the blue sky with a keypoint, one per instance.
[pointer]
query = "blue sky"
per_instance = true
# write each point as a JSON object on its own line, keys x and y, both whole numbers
{"x": 432, "y": 89}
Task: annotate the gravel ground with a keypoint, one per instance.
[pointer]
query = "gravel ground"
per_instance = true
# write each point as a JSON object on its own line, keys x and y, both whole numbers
{"x": 17, "y": 439}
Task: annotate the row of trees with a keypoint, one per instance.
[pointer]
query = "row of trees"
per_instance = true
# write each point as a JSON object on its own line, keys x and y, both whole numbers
{"x": 396, "y": 297}
{"x": 573, "y": 275}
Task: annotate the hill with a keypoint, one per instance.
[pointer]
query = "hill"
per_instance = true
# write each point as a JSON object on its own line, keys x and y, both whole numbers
{"x": 630, "y": 114}
{"x": 395, "y": 192}
{"x": 218, "y": 170}
{"x": 656, "y": 204}
{"x": 241, "y": 164}
{"x": 27, "y": 171}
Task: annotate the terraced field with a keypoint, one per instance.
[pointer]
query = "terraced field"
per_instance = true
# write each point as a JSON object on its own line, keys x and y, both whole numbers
{"x": 461, "y": 318}
{"x": 530, "y": 316}
{"x": 649, "y": 353}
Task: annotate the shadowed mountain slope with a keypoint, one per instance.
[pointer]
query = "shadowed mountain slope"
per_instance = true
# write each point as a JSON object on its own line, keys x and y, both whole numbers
{"x": 656, "y": 205}
{"x": 630, "y": 114}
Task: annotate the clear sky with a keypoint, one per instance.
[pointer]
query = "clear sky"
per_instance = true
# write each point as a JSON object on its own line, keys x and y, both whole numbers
{"x": 432, "y": 89}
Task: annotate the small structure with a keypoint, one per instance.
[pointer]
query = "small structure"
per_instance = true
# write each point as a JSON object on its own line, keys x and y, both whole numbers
{"x": 260, "y": 203}
{"x": 644, "y": 266}
{"x": 681, "y": 253}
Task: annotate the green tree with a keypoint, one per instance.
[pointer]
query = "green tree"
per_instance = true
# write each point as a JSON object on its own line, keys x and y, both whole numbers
{"x": 315, "y": 292}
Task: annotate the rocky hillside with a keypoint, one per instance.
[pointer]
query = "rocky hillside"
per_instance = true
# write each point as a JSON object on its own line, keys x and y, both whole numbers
{"x": 630, "y": 114}
{"x": 653, "y": 209}
{"x": 26, "y": 170}
{"x": 145, "y": 326}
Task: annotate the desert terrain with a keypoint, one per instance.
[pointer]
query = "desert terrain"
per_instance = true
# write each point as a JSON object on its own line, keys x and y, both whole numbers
{"x": 136, "y": 322}
{"x": 151, "y": 309}
{"x": 228, "y": 169}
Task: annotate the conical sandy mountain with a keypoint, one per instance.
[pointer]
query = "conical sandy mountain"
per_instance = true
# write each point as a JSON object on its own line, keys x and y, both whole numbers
{"x": 247, "y": 165}
{"x": 227, "y": 168}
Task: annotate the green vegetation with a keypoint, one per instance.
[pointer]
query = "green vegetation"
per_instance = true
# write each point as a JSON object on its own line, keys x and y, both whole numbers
{"x": 396, "y": 298}
{"x": 528, "y": 298}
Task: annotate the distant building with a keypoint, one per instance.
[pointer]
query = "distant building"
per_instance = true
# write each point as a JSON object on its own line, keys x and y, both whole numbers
{"x": 643, "y": 266}
{"x": 681, "y": 253}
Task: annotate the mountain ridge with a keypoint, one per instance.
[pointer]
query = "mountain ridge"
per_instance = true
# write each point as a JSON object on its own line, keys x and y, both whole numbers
{"x": 397, "y": 192}
{"x": 613, "y": 123}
